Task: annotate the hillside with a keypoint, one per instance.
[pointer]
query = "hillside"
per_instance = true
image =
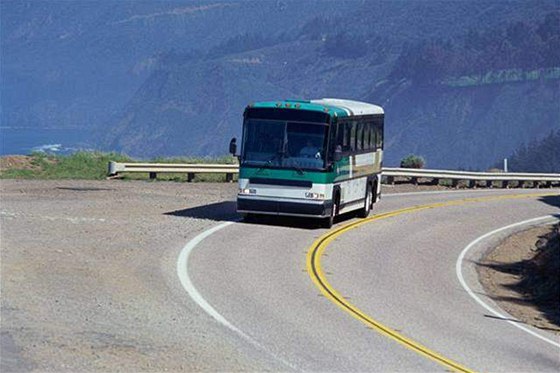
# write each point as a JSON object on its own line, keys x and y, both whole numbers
{"x": 430, "y": 109}
{"x": 463, "y": 83}
{"x": 537, "y": 156}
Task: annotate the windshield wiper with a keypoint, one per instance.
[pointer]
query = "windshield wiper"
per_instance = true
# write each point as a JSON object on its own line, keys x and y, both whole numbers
{"x": 299, "y": 169}
{"x": 267, "y": 163}
{"x": 295, "y": 164}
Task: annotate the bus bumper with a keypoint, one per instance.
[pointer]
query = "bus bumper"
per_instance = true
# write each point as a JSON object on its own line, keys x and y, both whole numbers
{"x": 316, "y": 209}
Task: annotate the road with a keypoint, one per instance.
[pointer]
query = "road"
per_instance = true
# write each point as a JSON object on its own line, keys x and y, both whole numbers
{"x": 400, "y": 271}
{"x": 90, "y": 282}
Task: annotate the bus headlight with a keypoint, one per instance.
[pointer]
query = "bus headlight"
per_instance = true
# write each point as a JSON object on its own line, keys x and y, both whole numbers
{"x": 311, "y": 195}
{"x": 247, "y": 191}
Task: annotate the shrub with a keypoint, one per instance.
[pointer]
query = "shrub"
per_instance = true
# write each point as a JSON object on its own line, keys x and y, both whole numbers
{"x": 413, "y": 161}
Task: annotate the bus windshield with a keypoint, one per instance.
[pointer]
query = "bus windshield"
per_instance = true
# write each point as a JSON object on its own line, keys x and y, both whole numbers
{"x": 284, "y": 144}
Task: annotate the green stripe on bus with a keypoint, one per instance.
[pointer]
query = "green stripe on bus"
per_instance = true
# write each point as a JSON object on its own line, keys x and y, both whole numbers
{"x": 313, "y": 176}
{"x": 300, "y": 105}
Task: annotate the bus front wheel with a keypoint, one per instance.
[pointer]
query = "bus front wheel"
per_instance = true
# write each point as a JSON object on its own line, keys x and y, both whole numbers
{"x": 328, "y": 222}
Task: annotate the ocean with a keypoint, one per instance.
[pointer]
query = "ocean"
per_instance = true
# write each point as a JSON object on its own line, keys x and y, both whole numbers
{"x": 23, "y": 140}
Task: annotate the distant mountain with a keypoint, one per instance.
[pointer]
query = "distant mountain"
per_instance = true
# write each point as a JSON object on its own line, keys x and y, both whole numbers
{"x": 455, "y": 112}
{"x": 463, "y": 83}
{"x": 77, "y": 63}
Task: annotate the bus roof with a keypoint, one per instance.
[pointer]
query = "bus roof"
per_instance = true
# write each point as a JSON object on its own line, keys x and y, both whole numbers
{"x": 331, "y": 106}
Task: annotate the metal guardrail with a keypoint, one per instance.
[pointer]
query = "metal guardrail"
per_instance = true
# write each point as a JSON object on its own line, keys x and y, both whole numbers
{"x": 469, "y": 176}
{"x": 389, "y": 174}
{"x": 153, "y": 169}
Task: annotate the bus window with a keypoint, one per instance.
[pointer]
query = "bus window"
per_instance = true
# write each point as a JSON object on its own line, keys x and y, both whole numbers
{"x": 379, "y": 133}
{"x": 359, "y": 136}
{"x": 370, "y": 136}
{"x": 352, "y": 141}
{"x": 334, "y": 138}
{"x": 347, "y": 144}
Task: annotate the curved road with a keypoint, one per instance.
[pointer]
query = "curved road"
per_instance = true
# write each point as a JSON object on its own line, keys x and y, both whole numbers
{"x": 399, "y": 271}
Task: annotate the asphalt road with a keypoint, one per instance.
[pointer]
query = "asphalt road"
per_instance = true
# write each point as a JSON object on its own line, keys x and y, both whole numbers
{"x": 400, "y": 271}
{"x": 90, "y": 283}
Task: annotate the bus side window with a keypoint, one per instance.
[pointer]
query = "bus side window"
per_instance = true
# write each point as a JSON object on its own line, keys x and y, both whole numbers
{"x": 379, "y": 132}
{"x": 349, "y": 136}
{"x": 352, "y": 142}
{"x": 367, "y": 135}
{"x": 370, "y": 137}
{"x": 359, "y": 136}
{"x": 345, "y": 130}
{"x": 335, "y": 138}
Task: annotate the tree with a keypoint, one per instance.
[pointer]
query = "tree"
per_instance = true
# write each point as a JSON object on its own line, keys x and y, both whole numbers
{"x": 413, "y": 161}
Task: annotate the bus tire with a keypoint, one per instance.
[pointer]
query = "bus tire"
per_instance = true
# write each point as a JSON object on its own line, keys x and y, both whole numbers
{"x": 368, "y": 202}
{"x": 328, "y": 222}
{"x": 249, "y": 218}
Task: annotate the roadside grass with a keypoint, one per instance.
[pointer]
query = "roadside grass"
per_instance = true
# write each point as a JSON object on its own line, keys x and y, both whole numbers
{"x": 93, "y": 166}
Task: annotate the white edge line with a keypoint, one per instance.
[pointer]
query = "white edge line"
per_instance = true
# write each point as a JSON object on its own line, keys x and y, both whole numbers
{"x": 459, "y": 271}
{"x": 184, "y": 278}
{"x": 188, "y": 285}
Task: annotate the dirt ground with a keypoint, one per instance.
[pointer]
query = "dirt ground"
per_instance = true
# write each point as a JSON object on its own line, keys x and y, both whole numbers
{"x": 16, "y": 162}
{"x": 499, "y": 275}
{"x": 88, "y": 281}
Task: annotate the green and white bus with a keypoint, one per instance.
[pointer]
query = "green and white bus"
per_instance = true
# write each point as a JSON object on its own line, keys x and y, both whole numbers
{"x": 317, "y": 158}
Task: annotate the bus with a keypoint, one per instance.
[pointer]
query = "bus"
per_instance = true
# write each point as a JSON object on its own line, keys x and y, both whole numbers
{"x": 316, "y": 158}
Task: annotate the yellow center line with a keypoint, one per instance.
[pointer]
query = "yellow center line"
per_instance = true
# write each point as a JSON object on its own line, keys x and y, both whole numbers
{"x": 313, "y": 265}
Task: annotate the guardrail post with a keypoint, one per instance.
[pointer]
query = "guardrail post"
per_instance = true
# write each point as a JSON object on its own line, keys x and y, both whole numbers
{"x": 520, "y": 183}
{"x": 455, "y": 183}
{"x": 471, "y": 184}
{"x": 548, "y": 184}
{"x": 229, "y": 177}
{"x": 489, "y": 184}
{"x": 435, "y": 181}
{"x": 391, "y": 180}
{"x": 112, "y": 169}
{"x": 414, "y": 180}
{"x": 190, "y": 177}
{"x": 153, "y": 175}
{"x": 505, "y": 184}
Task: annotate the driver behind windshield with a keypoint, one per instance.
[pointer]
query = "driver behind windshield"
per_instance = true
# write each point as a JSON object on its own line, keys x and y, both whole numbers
{"x": 310, "y": 150}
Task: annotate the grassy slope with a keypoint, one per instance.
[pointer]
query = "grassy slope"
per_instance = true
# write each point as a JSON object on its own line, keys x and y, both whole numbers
{"x": 92, "y": 166}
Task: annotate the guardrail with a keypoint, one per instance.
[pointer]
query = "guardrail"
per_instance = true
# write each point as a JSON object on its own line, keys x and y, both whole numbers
{"x": 470, "y": 177}
{"x": 116, "y": 168}
{"x": 412, "y": 175}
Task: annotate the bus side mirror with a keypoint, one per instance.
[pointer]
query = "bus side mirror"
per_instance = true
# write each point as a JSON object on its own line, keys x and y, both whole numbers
{"x": 233, "y": 146}
{"x": 337, "y": 154}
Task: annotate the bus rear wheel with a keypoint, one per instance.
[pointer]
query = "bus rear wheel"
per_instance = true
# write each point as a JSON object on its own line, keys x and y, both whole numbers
{"x": 249, "y": 218}
{"x": 364, "y": 212}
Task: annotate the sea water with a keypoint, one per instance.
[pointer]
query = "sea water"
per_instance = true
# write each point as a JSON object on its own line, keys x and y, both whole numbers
{"x": 24, "y": 140}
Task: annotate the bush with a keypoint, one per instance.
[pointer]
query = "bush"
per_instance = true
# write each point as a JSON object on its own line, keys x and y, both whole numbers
{"x": 413, "y": 161}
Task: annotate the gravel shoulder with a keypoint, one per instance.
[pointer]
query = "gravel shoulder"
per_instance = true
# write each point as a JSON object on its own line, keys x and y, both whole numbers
{"x": 499, "y": 274}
